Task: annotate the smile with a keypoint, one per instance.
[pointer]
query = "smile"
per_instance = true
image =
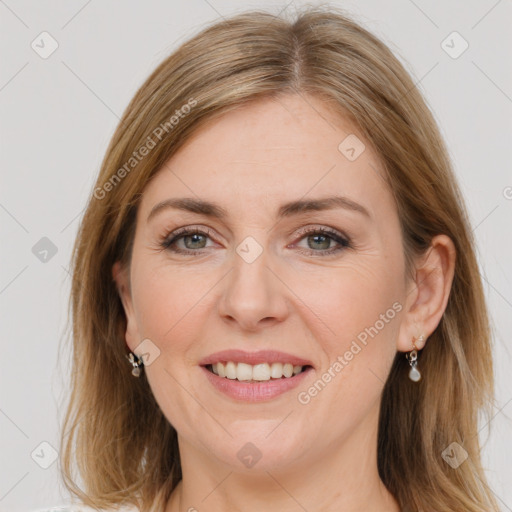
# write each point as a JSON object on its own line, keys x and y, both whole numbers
{"x": 254, "y": 376}
{"x": 256, "y": 373}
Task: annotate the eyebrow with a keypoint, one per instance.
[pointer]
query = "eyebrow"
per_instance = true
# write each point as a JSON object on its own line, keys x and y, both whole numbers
{"x": 213, "y": 210}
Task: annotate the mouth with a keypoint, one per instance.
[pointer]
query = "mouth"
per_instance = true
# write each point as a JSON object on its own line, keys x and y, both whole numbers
{"x": 255, "y": 376}
{"x": 261, "y": 372}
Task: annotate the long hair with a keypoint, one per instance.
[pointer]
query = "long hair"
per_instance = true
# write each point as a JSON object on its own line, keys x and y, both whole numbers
{"x": 115, "y": 437}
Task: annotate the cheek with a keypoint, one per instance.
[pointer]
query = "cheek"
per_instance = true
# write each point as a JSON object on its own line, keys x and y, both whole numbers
{"x": 344, "y": 301}
{"x": 169, "y": 313}
{"x": 156, "y": 308}
{"x": 166, "y": 299}
{"x": 362, "y": 308}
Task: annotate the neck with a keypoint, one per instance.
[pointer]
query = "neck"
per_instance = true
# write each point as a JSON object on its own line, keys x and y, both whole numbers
{"x": 343, "y": 476}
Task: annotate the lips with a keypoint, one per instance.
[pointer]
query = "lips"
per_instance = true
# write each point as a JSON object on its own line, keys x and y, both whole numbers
{"x": 254, "y": 390}
{"x": 259, "y": 372}
{"x": 254, "y": 358}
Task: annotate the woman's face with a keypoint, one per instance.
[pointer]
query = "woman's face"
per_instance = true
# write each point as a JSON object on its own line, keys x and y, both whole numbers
{"x": 298, "y": 263}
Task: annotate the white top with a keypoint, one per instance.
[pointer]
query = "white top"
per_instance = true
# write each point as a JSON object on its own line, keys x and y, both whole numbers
{"x": 78, "y": 507}
{"x": 81, "y": 508}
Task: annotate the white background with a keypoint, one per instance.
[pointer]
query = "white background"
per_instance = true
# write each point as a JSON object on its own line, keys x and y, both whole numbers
{"x": 58, "y": 114}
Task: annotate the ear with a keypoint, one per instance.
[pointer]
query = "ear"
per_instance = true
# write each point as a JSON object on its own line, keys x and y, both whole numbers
{"x": 428, "y": 293}
{"x": 122, "y": 280}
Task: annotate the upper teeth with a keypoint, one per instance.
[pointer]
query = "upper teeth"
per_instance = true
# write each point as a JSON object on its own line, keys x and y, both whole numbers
{"x": 263, "y": 371}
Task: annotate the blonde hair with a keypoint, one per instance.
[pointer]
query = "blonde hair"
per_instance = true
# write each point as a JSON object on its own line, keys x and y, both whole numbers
{"x": 124, "y": 448}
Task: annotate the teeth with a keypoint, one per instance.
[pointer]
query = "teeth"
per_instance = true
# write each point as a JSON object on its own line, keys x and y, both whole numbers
{"x": 258, "y": 372}
{"x": 261, "y": 372}
{"x": 244, "y": 371}
{"x": 231, "y": 370}
{"x": 276, "y": 371}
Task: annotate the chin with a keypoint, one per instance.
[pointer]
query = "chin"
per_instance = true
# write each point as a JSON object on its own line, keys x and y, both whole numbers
{"x": 254, "y": 449}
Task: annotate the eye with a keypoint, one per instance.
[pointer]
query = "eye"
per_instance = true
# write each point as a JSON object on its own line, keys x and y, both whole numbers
{"x": 194, "y": 239}
{"x": 322, "y": 239}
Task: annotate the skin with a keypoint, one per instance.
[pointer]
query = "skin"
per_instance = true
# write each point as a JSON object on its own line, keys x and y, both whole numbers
{"x": 321, "y": 455}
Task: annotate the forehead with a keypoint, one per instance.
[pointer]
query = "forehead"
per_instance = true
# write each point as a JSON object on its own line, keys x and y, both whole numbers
{"x": 268, "y": 152}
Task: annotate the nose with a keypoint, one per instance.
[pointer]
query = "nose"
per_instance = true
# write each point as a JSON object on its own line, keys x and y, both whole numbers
{"x": 254, "y": 295}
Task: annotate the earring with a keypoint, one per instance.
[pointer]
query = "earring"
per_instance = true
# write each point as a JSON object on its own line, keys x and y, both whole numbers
{"x": 137, "y": 362}
{"x": 412, "y": 357}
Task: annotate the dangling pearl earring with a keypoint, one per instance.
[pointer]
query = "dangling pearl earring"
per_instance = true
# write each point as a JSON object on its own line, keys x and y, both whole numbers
{"x": 137, "y": 362}
{"x": 412, "y": 357}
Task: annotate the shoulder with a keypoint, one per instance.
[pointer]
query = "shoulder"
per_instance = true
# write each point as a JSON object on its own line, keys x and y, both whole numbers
{"x": 82, "y": 508}
{"x": 70, "y": 508}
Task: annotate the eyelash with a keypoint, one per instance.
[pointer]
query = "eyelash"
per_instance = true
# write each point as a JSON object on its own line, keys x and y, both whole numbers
{"x": 344, "y": 242}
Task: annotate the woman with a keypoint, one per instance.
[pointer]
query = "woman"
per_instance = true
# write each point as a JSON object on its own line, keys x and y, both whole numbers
{"x": 276, "y": 302}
